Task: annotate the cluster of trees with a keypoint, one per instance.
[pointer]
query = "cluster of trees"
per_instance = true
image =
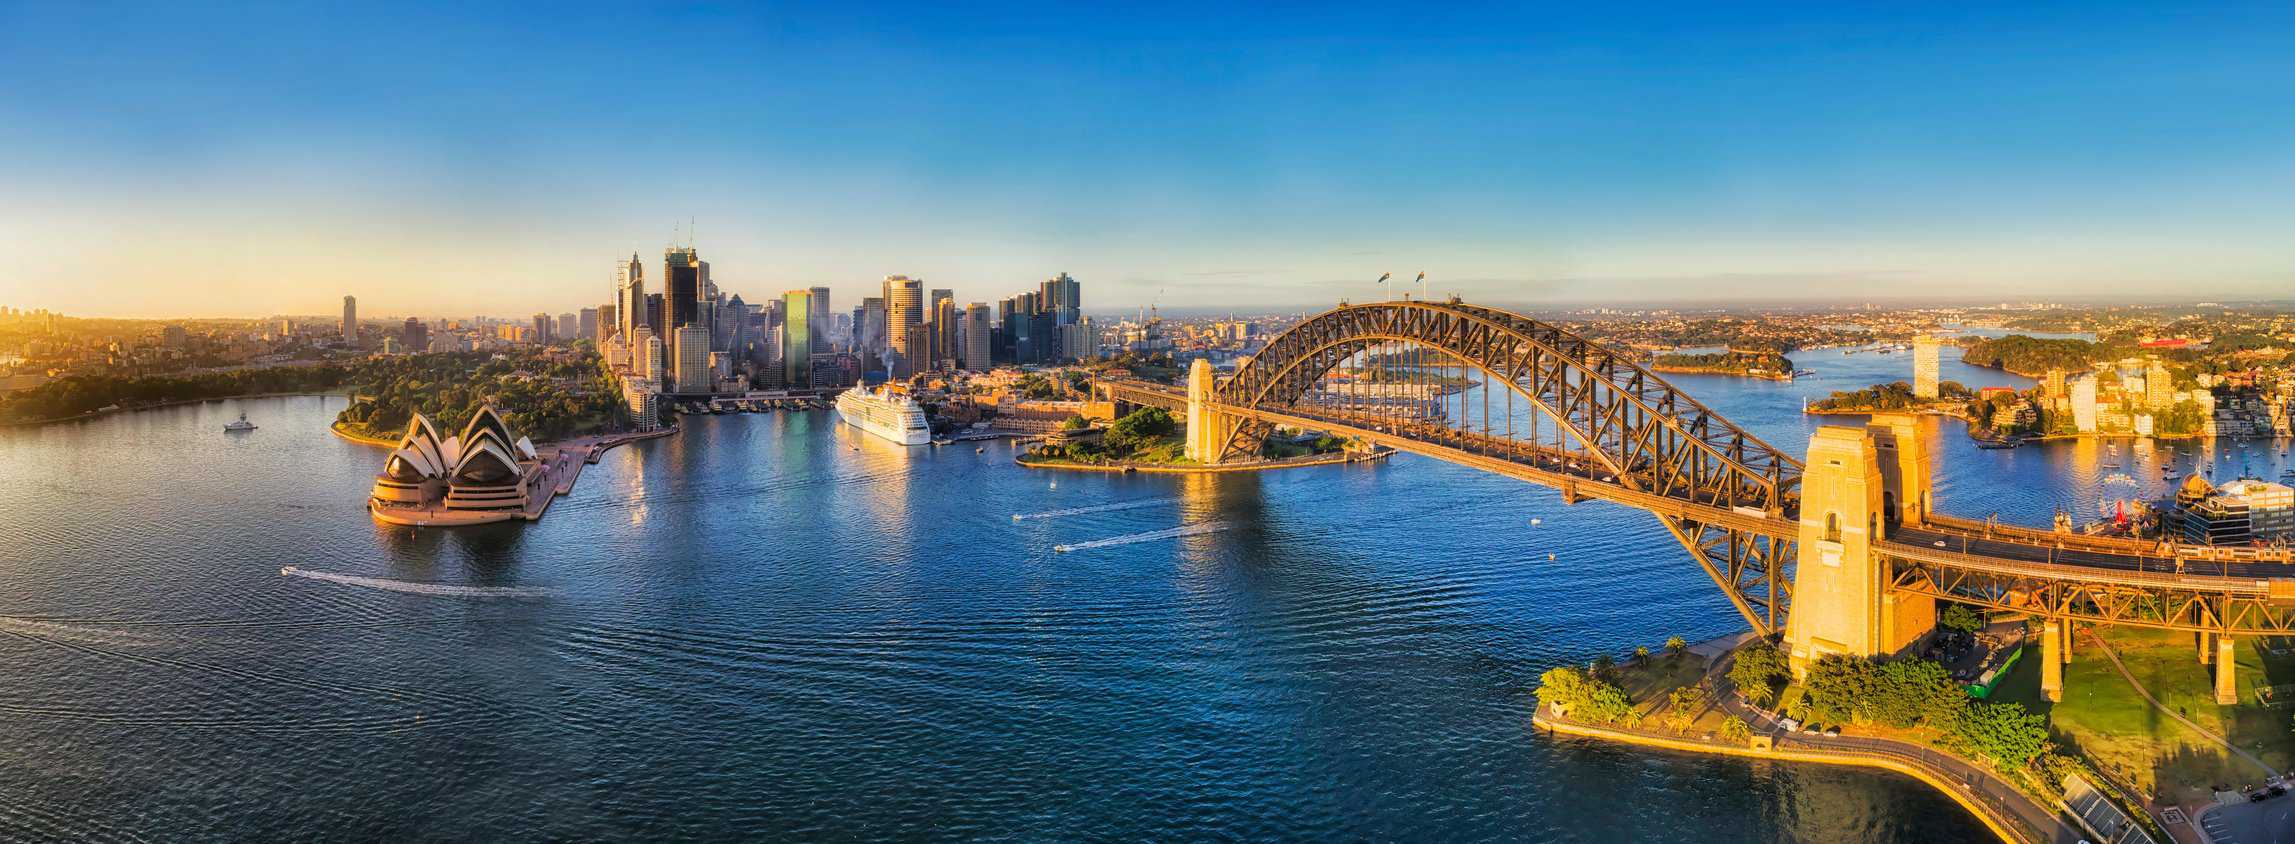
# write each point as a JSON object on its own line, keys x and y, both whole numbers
{"x": 2033, "y": 356}
{"x": 540, "y": 396}
{"x": 1587, "y": 696}
{"x": 1907, "y": 693}
{"x": 1733, "y": 362}
{"x": 1146, "y": 435}
{"x": 1895, "y": 395}
{"x": 78, "y": 394}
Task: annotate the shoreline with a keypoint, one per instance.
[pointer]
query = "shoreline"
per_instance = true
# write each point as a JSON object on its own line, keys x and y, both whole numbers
{"x": 337, "y": 427}
{"x": 2000, "y": 826}
{"x": 1725, "y": 373}
{"x": 100, "y": 413}
{"x": 1337, "y": 459}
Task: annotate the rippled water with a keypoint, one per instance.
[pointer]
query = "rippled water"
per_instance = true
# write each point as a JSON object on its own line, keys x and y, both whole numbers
{"x": 770, "y": 626}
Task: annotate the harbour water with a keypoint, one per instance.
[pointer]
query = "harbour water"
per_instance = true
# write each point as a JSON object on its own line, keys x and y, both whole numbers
{"x": 775, "y": 626}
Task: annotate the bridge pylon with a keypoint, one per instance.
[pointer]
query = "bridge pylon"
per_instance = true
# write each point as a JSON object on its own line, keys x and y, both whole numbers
{"x": 1208, "y": 430}
{"x": 1842, "y": 603}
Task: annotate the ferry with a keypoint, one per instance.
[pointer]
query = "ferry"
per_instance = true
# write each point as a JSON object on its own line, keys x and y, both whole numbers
{"x": 241, "y": 425}
{"x": 893, "y": 416}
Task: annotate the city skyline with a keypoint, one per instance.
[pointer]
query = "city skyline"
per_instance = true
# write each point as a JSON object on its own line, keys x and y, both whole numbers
{"x": 1528, "y": 157}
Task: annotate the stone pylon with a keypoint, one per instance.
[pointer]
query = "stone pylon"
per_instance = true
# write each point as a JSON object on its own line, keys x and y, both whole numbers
{"x": 1841, "y": 598}
{"x": 1208, "y": 430}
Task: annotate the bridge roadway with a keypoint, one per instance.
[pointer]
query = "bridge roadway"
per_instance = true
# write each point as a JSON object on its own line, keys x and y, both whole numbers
{"x": 2008, "y": 551}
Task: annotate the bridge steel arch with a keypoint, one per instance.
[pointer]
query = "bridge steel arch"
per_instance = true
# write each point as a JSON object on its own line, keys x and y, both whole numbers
{"x": 1650, "y": 436}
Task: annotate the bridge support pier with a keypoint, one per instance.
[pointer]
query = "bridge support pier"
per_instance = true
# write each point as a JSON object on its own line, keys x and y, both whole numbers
{"x": 2067, "y": 648}
{"x": 2052, "y": 659}
{"x": 1208, "y": 430}
{"x": 2206, "y": 647}
{"x": 1841, "y": 598}
{"x": 2226, "y": 681}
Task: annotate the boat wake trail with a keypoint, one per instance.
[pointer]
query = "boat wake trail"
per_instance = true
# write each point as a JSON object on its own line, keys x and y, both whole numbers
{"x": 412, "y": 587}
{"x": 72, "y": 632}
{"x": 1150, "y": 536}
{"x": 1098, "y": 508}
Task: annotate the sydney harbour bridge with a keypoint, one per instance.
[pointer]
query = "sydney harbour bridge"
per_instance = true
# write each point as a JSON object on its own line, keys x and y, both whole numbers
{"x": 1839, "y": 549}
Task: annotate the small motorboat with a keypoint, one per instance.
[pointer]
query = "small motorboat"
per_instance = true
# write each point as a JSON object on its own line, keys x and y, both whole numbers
{"x": 286, "y": 570}
{"x": 241, "y": 425}
{"x": 980, "y": 450}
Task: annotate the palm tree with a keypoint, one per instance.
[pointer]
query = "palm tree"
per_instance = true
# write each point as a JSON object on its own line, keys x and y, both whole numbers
{"x": 1675, "y": 647}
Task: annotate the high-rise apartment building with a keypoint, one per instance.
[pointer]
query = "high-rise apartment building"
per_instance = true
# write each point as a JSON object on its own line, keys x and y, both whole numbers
{"x": 569, "y": 328}
{"x": 651, "y": 353}
{"x": 350, "y": 319}
{"x": 542, "y": 328}
{"x": 588, "y": 329}
{"x": 693, "y": 374}
{"x": 1924, "y": 367}
{"x": 2159, "y": 386}
{"x": 2084, "y": 404}
{"x": 978, "y": 354}
{"x": 609, "y": 322}
{"x": 797, "y": 339}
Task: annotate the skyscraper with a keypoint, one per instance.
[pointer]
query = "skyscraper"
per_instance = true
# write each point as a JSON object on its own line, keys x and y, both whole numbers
{"x": 588, "y": 329}
{"x": 1063, "y": 297}
{"x": 414, "y": 336}
{"x": 944, "y": 348}
{"x": 1924, "y": 367}
{"x": 569, "y": 328}
{"x": 977, "y": 334}
{"x": 681, "y": 271}
{"x": 819, "y": 320}
{"x": 542, "y": 326}
{"x": 797, "y": 339}
{"x": 350, "y": 319}
{"x": 904, "y": 309}
{"x": 609, "y": 321}
{"x": 630, "y": 296}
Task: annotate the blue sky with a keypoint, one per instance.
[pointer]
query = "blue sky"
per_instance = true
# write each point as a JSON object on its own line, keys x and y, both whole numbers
{"x": 438, "y": 160}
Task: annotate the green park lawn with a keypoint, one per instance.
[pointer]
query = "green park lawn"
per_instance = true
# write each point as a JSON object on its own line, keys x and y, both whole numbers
{"x": 2125, "y": 736}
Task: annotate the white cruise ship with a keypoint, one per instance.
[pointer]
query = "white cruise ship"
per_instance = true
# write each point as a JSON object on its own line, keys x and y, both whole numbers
{"x": 893, "y": 416}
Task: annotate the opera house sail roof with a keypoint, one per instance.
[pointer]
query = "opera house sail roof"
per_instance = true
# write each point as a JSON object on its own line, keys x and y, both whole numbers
{"x": 484, "y": 474}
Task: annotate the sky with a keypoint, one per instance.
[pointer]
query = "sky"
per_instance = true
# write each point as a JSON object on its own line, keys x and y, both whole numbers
{"x": 251, "y": 159}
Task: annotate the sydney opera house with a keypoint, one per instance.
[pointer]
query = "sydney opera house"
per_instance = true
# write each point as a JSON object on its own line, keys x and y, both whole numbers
{"x": 484, "y": 475}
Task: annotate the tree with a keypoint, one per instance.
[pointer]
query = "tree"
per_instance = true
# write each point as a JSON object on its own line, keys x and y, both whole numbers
{"x": 1075, "y": 423}
{"x": 1682, "y": 706}
{"x": 1675, "y": 647}
{"x": 2002, "y": 732}
{"x": 1758, "y": 670}
{"x": 1642, "y": 655}
{"x": 1735, "y": 731}
{"x": 1961, "y": 617}
{"x": 1605, "y": 669}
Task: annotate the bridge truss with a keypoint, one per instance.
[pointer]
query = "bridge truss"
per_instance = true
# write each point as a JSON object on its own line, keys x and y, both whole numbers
{"x": 1498, "y": 387}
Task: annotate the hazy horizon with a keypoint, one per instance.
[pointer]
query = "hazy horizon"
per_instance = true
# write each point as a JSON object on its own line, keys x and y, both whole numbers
{"x": 172, "y": 161}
